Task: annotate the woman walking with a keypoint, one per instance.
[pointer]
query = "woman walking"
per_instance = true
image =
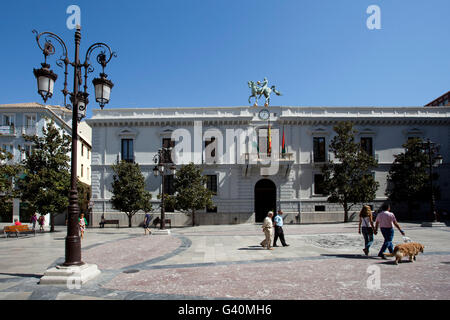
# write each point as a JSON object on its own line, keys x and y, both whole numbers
{"x": 367, "y": 228}
{"x": 82, "y": 223}
{"x": 34, "y": 220}
{"x": 41, "y": 222}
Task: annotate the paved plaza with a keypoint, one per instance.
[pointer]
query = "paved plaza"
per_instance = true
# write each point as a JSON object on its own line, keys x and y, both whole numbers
{"x": 323, "y": 261}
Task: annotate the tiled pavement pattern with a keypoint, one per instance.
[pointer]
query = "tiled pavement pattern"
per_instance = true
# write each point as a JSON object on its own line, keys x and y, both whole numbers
{"x": 226, "y": 262}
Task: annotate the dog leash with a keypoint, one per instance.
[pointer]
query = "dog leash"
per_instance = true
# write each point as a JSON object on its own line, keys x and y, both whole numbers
{"x": 406, "y": 239}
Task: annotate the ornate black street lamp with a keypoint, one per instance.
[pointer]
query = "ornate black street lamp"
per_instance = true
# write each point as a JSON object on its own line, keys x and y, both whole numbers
{"x": 45, "y": 81}
{"x": 434, "y": 160}
{"x": 163, "y": 167}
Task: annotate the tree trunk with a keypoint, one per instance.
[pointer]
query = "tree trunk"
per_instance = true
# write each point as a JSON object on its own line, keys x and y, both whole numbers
{"x": 410, "y": 214}
{"x": 345, "y": 212}
{"x": 52, "y": 222}
{"x": 193, "y": 218}
{"x": 129, "y": 220}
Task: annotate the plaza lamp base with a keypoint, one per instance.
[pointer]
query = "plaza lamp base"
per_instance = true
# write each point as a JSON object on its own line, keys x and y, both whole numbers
{"x": 161, "y": 232}
{"x": 433, "y": 224}
{"x": 72, "y": 276}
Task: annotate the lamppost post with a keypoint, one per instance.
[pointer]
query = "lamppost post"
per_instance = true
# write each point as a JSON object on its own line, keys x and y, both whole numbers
{"x": 433, "y": 160}
{"x": 162, "y": 225}
{"x": 161, "y": 168}
{"x": 432, "y": 214}
{"x": 45, "y": 81}
{"x": 73, "y": 242}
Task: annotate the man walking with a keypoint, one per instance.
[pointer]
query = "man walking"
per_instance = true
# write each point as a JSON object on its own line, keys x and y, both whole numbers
{"x": 386, "y": 220}
{"x": 279, "y": 230}
{"x": 147, "y": 219}
{"x": 267, "y": 229}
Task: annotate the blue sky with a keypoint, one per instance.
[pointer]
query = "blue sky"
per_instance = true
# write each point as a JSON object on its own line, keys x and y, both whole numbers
{"x": 203, "y": 52}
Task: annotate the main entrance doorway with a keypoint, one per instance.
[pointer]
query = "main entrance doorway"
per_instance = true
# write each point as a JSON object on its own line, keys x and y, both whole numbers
{"x": 265, "y": 198}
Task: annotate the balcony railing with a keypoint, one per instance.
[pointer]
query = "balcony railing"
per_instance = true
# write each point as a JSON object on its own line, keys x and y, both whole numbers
{"x": 7, "y": 130}
{"x": 255, "y": 157}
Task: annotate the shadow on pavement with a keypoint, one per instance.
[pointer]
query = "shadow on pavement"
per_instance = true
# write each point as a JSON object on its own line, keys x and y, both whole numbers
{"x": 350, "y": 256}
{"x": 252, "y": 248}
{"x": 22, "y": 275}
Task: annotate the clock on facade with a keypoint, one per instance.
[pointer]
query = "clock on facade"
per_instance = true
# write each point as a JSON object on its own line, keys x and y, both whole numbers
{"x": 264, "y": 114}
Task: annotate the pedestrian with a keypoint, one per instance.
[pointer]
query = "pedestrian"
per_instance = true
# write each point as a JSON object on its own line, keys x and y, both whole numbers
{"x": 102, "y": 221}
{"x": 367, "y": 228}
{"x": 268, "y": 231}
{"x": 147, "y": 219}
{"x": 41, "y": 222}
{"x": 279, "y": 233}
{"x": 386, "y": 220}
{"x": 34, "y": 220}
{"x": 17, "y": 222}
{"x": 82, "y": 222}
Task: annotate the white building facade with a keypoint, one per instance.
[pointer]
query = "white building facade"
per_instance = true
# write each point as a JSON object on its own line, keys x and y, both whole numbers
{"x": 30, "y": 119}
{"x": 231, "y": 146}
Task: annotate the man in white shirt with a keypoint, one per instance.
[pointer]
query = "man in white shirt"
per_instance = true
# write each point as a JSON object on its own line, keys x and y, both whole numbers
{"x": 279, "y": 230}
{"x": 268, "y": 230}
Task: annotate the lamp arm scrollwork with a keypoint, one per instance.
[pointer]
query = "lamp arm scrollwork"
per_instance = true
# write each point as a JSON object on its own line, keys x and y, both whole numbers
{"x": 48, "y": 49}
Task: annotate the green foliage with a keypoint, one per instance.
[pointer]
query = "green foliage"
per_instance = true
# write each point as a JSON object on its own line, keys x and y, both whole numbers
{"x": 46, "y": 181}
{"x": 349, "y": 180}
{"x": 128, "y": 189}
{"x": 84, "y": 196}
{"x": 8, "y": 174}
{"x": 407, "y": 182}
{"x": 191, "y": 193}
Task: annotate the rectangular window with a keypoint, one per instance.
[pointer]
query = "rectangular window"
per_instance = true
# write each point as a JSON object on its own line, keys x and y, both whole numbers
{"x": 319, "y": 208}
{"x": 30, "y": 120}
{"x": 211, "y": 183}
{"x": 212, "y": 209}
{"x": 88, "y": 152}
{"x": 168, "y": 189}
{"x": 167, "y": 143}
{"x": 319, "y": 149}
{"x": 8, "y": 120}
{"x": 8, "y": 148}
{"x": 27, "y": 151}
{"x": 82, "y": 149}
{"x": 81, "y": 170}
{"x": 168, "y": 184}
{"x": 318, "y": 184}
{"x": 367, "y": 145}
{"x": 127, "y": 150}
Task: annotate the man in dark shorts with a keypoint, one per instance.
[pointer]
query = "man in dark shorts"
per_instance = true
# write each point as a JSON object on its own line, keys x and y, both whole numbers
{"x": 147, "y": 219}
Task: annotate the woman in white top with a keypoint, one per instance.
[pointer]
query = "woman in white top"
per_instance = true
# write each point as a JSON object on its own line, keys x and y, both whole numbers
{"x": 366, "y": 224}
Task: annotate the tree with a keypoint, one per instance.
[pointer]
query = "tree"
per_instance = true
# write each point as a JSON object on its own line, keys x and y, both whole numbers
{"x": 84, "y": 196}
{"x": 408, "y": 182}
{"x": 46, "y": 181}
{"x": 191, "y": 193}
{"x": 8, "y": 174}
{"x": 349, "y": 181}
{"x": 128, "y": 188}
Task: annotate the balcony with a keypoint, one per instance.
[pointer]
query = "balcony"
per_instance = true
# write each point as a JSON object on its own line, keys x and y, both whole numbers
{"x": 265, "y": 157}
{"x": 13, "y": 131}
{"x": 8, "y": 130}
{"x": 267, "y": 164}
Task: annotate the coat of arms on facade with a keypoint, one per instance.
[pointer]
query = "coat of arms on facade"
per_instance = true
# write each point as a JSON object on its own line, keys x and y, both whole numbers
{"x": 261, "y": 88}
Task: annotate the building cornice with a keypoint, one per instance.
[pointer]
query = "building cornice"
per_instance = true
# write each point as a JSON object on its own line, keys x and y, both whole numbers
{"x": 285, "y": 115}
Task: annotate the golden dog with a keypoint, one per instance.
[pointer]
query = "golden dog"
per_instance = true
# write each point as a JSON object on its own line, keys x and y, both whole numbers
{"x": 410, "y": 249}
